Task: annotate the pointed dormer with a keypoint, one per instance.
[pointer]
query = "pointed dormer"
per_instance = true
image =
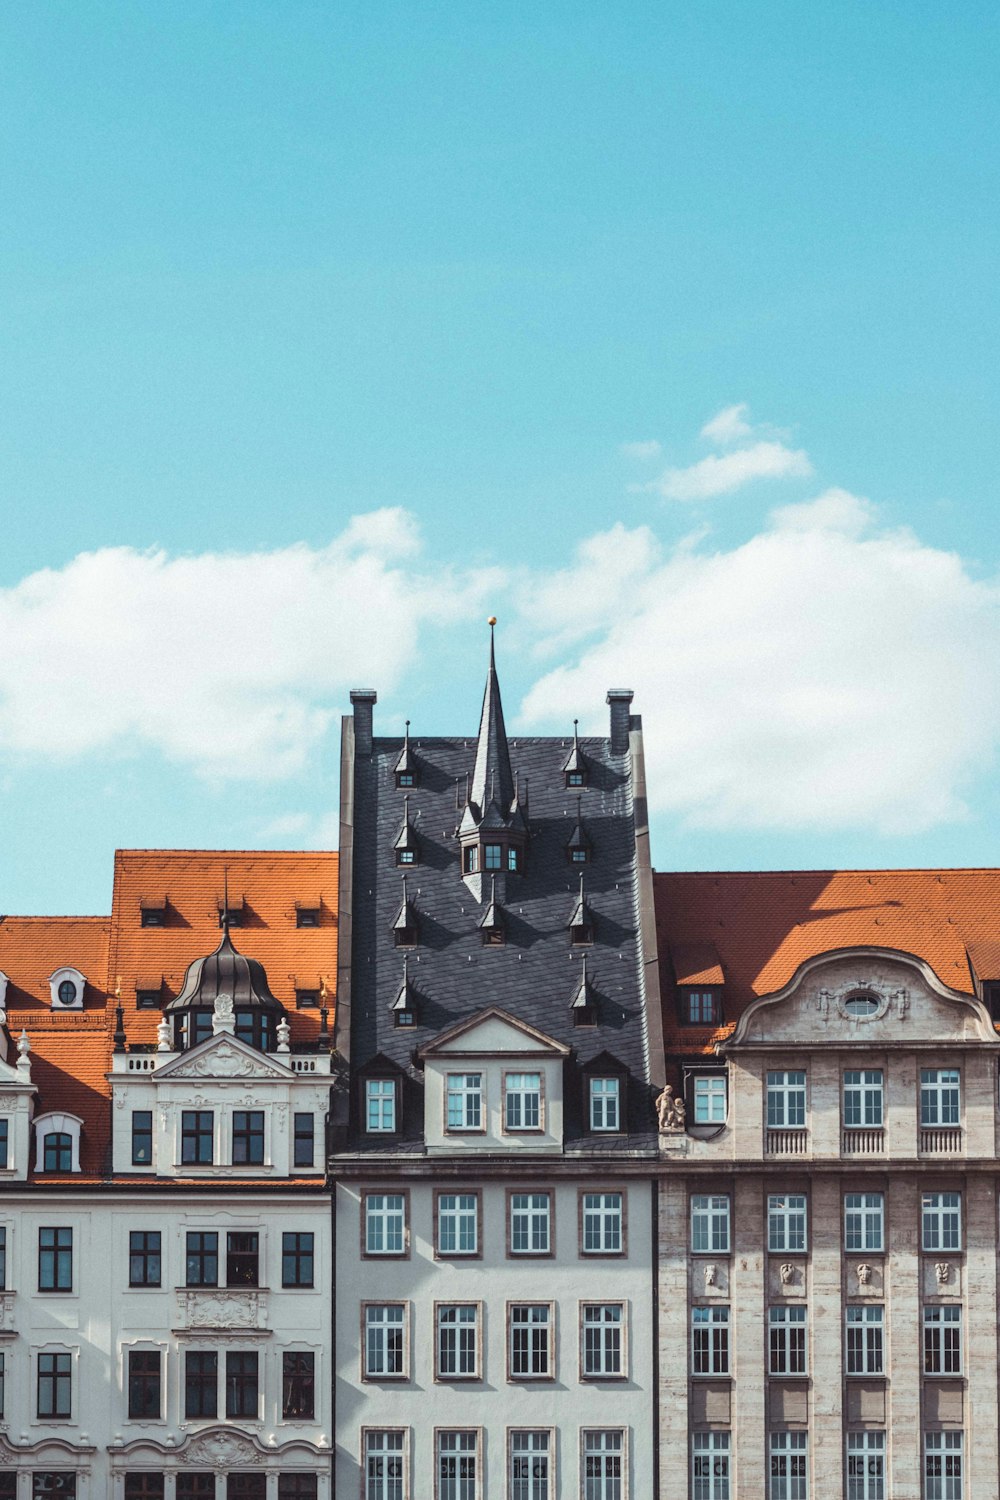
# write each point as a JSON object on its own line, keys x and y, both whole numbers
{"x": 404, "y": 928}
{"x": 578, "y": 849}
{"x": 581, "y": 921}
{"x": 405, "y": 770}
{"x": 583, "y": 1005}
{"x": 494, "y": 830}
{"x": 407, "y": 847}
{"x": 575, "y": 765}
{"x": 493, "y": 927}
{"x": 404, "y": 1007}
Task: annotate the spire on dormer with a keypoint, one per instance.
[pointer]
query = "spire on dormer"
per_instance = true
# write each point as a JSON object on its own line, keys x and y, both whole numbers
{"x": 578, "y": 849}
{"x": 493, "y": 927}
{"x": 581, "y": 920}
{"x": 406, "y": 845}
{"x": 583, "y": 995}
{"x": 575, "y": 765}
{"x": 404, "y": 1007}
{"x": 404, "y": 928}
{"x": 405, "y": 770}
{"x": 492, "y": 777}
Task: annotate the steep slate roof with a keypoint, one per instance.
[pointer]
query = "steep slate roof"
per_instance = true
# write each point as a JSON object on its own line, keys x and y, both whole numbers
{"x": 764, "y": 925}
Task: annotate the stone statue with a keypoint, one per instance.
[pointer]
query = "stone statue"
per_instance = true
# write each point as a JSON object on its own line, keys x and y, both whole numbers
{"x": 670, "y": 1111}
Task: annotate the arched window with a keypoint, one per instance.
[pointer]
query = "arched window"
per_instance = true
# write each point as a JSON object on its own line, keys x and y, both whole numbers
{"x": 57, "y": 1142}
{"x": 57, "y": 1155}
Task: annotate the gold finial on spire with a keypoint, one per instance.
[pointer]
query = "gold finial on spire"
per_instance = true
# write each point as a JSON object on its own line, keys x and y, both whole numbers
{"x": 491, "y": 621}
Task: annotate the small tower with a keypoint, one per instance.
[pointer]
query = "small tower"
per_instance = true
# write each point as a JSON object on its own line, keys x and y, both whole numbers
{"x": 493, "y": 832}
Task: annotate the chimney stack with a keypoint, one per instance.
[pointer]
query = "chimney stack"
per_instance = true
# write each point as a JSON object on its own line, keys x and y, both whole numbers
{"x": 363, "y": 701}
{"x": 620, "y": 700}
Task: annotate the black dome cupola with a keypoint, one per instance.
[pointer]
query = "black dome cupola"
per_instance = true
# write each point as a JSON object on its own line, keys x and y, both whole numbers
{"x": 240, "y": 984}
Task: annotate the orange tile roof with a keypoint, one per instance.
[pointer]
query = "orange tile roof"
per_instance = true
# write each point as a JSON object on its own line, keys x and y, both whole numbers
{"x": 764, "y": 925}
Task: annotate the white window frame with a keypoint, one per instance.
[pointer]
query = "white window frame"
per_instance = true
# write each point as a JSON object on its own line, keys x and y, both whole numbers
{"x": 70, "y": 1419}
{"x": 380, "y": 1106}
{"x": 57, "y": 1124}
{"x": 602, "y": 1341}
{"x": 864, "y": 1340}
{"x": 527, "y": 1449}
{"x": 942, "y": 1341}
{"x": 710, "y": 1223}
{"x": 710, "y": 1094}
{"x": 710, "y": 1457}
{"x": 941, "y": 1221}
{"x": 605, "y": 1103}
{"x": 789, "y": 1466}
{"x": 74, "y": 977}
{"x": 455, "y": 1212}
{"x": 385, "y": 1445}
{"x": 866, "y": 1465}
{"x": 458, "y": 1443}
{"x": 464, "y": 1098}
{"x": 539, "y": 1332}
{"x": 940, "y": 1096}
{"x": 378, "y": 1214}
{"x": 602, "y": 1220}
{"x": 522, "y": 1102}
{"x": 457, "y": 1340}
{"x": 383, "y": 1323}
{"x": 787, "y": 1223}
{"x": 864, "y": 1222}
{"x": 786, "y": 1099}
{"x": 864, "y": 1099}
{"x": 530, "y": 1219}
{"x": 944, "y": 1466}
{"x": 710, "y": 1339}
{"x": 787, "y": 1340}
{"x": 607, "y": 1448}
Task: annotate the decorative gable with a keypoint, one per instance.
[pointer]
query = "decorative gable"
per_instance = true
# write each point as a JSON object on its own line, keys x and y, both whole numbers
{"x": 493, "y": 1032}
{"x": 223, "y": 1057}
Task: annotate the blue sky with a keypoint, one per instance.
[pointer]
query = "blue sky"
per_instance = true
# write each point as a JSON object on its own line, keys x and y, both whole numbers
{"x": 329, "y": 329}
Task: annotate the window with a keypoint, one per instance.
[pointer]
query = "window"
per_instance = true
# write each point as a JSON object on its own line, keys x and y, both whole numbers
{"x": 193, "y": 1484}
{"x": 255, "y": 1027}
{"x": 863, "y": 1098}
{"x": 470, "y": 859}
{"x": 385, "y": 1326}
{"x": 152, "y": 917}
{"x": 307, "y": 916}
{"x": 941, "y": 1221}
{"x": 248, "y": 1137}
{"x": 530, "y": 1340}
{"x": 385, "y": 1224}
{"x": 786, "y": 1100}
{"x": 944, "y": 1478}
{"x": 67, "y": 992}
{"x": 246, "y": 1486}
{"x": 457, "y": 1466}
{"x": 603, "y": 1465}
{"x": 709, "y": 1099}
{"x": 57, "y": 1149}
{"x": 864, "y": 1215}
{"x": 202, "y": 1259}
{"x": 297, "y": 1487}
{"x": 464, "y": 1101}
{"x": 383, "y": 1461}
{"x": 242, "y": 1258}
{"x": 201, "y": 1383}
{"x": 710, "y": 1224}
{"x": 700, "y": 1008}
{"x": 197, "y": 1130}
{"x": 304, "y": 1141}
{"x": 866, "y": 1466}
{"x": 298, "y": 1385}
{"x": 602, "y": 1339}
{"x": 789, "y": 1476}
{"x": 144, "y": 1257}
{"x": 863, "y": 1006}
{"x": 604, "y": 1103}
{"x": 3, "y": 1260}
{"x": 241, "y": 1383}
{"x": 380, "y": 1097}
{"x": 144, "y": 1384}
{"x": 529, "y": 1466}
{"x": 307, "y": 999}
{"x": 786, "y": 1222}
{"x": 458, "y": 1341}
{"x": 3, "y": 1144}
{"x": 458, "y": 1223}
{"x": 144, "y": 1485}
{"x": 710, "y": 1340}
{"x": 865, "y": 1339}
{"x": 530, "y": 1223}
{"x": 147, "y": 999}
{"x": 603, "y": 1227}
{"x": 491, "y": 857}
{"x": 943, "y": 1340}
{"x": 55, "y": 1383}
{"x": 55, "y": 1260}
{"x": 47, "y": 1483}
{"x": 142, "y": 1137}
{"x": 939, "y": 1096}
{"x": 710, "y": 1466}
{"x": 513, "y": 859}
{"x": 296, "y": 1259}
{"x": 787, "y": 1340}
{"x": 406, "y": 856}
{"x": 522, "y": 1101}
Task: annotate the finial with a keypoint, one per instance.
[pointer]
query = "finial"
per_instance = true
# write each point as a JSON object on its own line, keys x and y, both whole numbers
{"x": 576, "y": 736}
{"x": 225, "y": 899}
{"x": 119, "y": 1037}
{"x": 491, "y": 621}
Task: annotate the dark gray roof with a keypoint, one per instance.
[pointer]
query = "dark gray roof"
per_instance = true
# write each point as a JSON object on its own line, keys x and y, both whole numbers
{"x": 225, "y": 972}
{"x": 492, "y": 777}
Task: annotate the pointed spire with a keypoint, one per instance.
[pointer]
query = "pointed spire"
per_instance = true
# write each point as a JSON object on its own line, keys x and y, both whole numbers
{"x": 119, "y": 1036}
{"x": 404, "y": 928}
{"x": 406, "y": 844}
{"x": 494, "y": 920}
{"x": 583, "y": 995}
{"x": 492, "y": 774}
{"x": 404, "y": 1007}
{"x": 225, "y": 901}
{"x": 406, "y": 765}
{"x": 578, "y": 848}
{"x": 575, "y": 765}
{"x": 581, "y": 921}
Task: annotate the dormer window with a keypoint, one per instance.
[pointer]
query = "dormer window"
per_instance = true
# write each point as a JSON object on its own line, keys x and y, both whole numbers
{"x": 578, "y": 847}
{"x": 405, "y": 769}
{"x": 583, "y": 1005}
{"x": 153, "y": 911}
{"x": 404, "y": 927}
{"x": 406, "y": 847}
{"x": 57, "y": 1143}
{"x": 66, "y": 987}
{"x": 406, "y": 936}
{"x": 470, "y": 859}
{"x": 492, "y": 928}
{"x": 404, "y": 1007}
{"x": 148, "y": 999}
{"x": 575, "y": 766}
{"x": 57, "y": 1152}
{"x": 307, "y": 999}
{"x": 307, "y": 913}
{"x": 701, "y": 1007}
{"x": 494, "y": 937}
{"x": 492, "y": 857}
{"x": 231, "y": 916}
{"x": 581, "y": 922}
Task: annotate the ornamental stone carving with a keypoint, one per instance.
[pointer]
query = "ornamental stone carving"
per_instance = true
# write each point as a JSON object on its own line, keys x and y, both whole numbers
{"x": 942, "y": 1270}
{"x": 864, "y": 1274}
{"x": 787, "y": 1272}
{"x": 223, "y": 1309}
{"x": 225, "y": 1062}
{"x": 223, "y": 1450}
{"x": 670, "y": 1111}
{"x": 710, "y": 1273}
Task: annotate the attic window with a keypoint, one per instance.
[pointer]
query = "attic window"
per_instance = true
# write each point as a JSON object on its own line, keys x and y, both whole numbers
{"x": 701, "y": 1008}
{"x": 307, "y": 999}
{"x": 470, "y": 859}
{"x": 862, "y": 1005}
{"x": 405, "y": 936}
{"x": 991, "y": 999}
{"x": 404, "y": 1018}
{"x": 234, "y": 914}
{"x": 581, "y": 934}
{"x": 585, "y": 1015}
{"x": 307, "y": 913}
{"x": 493, "y": 937}
{"x": 575, "y": 778}
{"x": 148, "y": 999}
{"x": 66, "y": 986}
{"x": 153, "y": 911}
{"x": 405, "y": 769}
{"x": 575, "y": 768}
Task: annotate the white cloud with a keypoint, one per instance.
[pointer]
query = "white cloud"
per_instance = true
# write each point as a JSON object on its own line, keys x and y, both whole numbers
{"x": 642, "y": 451}
{"x": 716, "y": 475}
{"x": 232, "y": 664}
{"x": 728, "y": 425}
{"x": 825, "y": 674}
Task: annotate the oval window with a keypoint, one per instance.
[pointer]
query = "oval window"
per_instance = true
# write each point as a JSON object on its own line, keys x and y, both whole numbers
{"x": 861, "y": 1005}
{"x": 67, "y": 992}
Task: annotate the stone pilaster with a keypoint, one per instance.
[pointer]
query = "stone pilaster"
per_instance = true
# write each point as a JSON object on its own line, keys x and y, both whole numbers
{"x": 902, "y": 1321}
{"x": 826, "y": 1316}
{"x": 749, "y": 1337}
{"x": 673, "y": 1238}
{"x": 980, "y": 1326}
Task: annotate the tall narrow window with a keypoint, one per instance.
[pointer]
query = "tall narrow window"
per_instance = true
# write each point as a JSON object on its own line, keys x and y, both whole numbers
{"x": 710, "y": 1099}
{"x": 458, "y": 1224}
{"x": 55, "y": 1383}
{"x": 242, "y": 1258}
{"x": 604, "y": 1103}
{"x": 464, "y": 1101}
{"x": 248, "y": 1137}
{"x": 530, "y": 1223}
{"x": 458, "y": 1341}
{"x": 457, "y": 1461}
{"x": 941, "y": 1221}
{"x": 380, "y": 1096}
{"x": 142, "y": 1137}
{"x": 297, "y": 1258}
{"x": 3, "y": 1144}
{"x": 603, "y": 1465}
{"x": 385, "y": 1326}
{"x": 197, "y": 1130}
{"x": 710, "y": 1466}
{"x": 144, "y": 1484}
{"x": 700, "y": 1008}
{"x": 943, "y": 1339}
{"x": 787, "y": 1340}
{"x": 864, "y": 1215}
{"x": 144, "y": 1384}
{"x": 241, "y": 1383}
{"x": 710, "y": 1224}
{"x": 144, "y": 1257}
{"x": 786, "y": 1222}
{"x": 57, "y": 1151}
{"x": 863, "y": 1098}
{"x": 944, "y": 1469}
{"x": 383, "y": 1465}
{"x": 602, "y": 1339}
{"x": 523, "y": 1101}
{"x": 710, "y": 1340}
{"x": 940, "y": 1102}
{"x": 195, "y": 1484}
{"x": 786, "y": 1100}
{"x": 298, "y": 1385}
{"x": 385, "y": 1224}
{"x": 789, "y": 1469}
{"x": 865, "y": 1339}
{"x": 3, "y": 1260}
{"x": 3, "y": 1392}
{"x": 201, "y": 1383}
{"x": 530, "y": 1340}
{"x": 529, "y": 1473}
{"x": 202, "y": 1258}
{"x": 603, "y": 1224}
{"x": 305, "y": 1147}
{"x": 55, "y": 1260}
{"x": 866, "y": 1466}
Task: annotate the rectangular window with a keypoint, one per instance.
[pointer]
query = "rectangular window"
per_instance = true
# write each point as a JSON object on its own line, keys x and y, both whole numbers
{"x": 865, "y": 1339}
{"x": 491, "y": 857}
{"x": 530, "y": 1471}
{"x": 457, "y": 1461}
{"x": 710, "y": 1224}
{"x": 197, "y": 1131}
{"x": 602, "y": 1325}
{"x": 530, "y": 1340}
{"x": 298, "y": 1385}
{"x": 201, "y": 1383}
{"x": 786, "y": 1100}
{"x": 385, "y": 1328}
{"x": 458, "y": 1341}
{"x": 380, "y": 1105}
{"x": 701, "y": 1008}
{"x": 866, "y": 1466}
{"x": 297, "y": 1487}
{"x": 787, "y": 1340}
{"x": 144, "y": 1384}
{"x": 248, "y": 1137}
{"x": 943, "y": 1340}
{"x": 3, "y": 1144}
{"x": 786, "y": 1222}
{"x": 944, "y": 1476}
{"x": 789, "y": 1474}
{"x": 201, "y": 1258}
{"x": 385, "y": 1224}
{"x": 304, "y": 1142}
{"x": 710, "y": 1099}
{"x": 55, "y": 1383}
{"x": 241, "y": 1383}
{"x": 604, "y": 1103}
{"x": 864, "y": 1217}
{"x": 195, "y": 1484}
{"x": 939, "y": 1096}
{"x": 458, "y": 1224}
{"x": 3, "y": 1391}
{"x": 464, "y": 1099}
{"x": 383, "y": 1466}
{"x": 710, "y": 1340}
{"x": 863, "y": 1098}
{"x": 530, "y": 1223}
{"x": 603, "y": 1226}
{"x": 55, "y": 1260}
{"x": 242, "y": 1258}
{"x": 603, "y": 1465}
{"x": 297, "y": 1259}
{"x": 3, "y": 1260}
{"x": 144, "y": 1484}
{"x": 710, "y": 1466}
{"x": 522, "y": 1101}
{"x": 941, "y": 1221}
{"x": 142, "y": 1137}
{"x": 144, "y": 1257}
{"x": 246, "y": 1486}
